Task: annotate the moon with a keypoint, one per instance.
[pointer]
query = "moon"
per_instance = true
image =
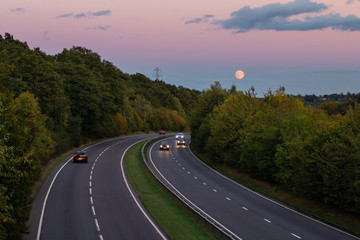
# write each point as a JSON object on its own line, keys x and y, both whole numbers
{"x": 239, "y": 74}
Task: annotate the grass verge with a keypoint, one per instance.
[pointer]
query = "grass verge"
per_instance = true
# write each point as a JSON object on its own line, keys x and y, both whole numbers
{"x": 334, "y": 217}
{"x": 171, "y": 214}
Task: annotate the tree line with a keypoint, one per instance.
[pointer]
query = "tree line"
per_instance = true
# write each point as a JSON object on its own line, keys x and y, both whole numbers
{"x": 52, "y": 103}
{"x": 283, "y": 141}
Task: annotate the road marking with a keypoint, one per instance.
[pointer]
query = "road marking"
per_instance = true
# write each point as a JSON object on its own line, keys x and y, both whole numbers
{"x": 245, "y": 208}
{"x": 93, "y": 210}
{"x": 228, "y": 198}
{"x": 204, "y": 183}
{"x": 188, "y": 172}
{"x": 267, "y": 220}
{"x": 90, "y": 191}
{"x": 97, "y": 225}
{"x": 214, "y": 190}
{"x": 196, "y": 177}
{"x": 91, "y": 201}
{"x": 183, "y": 168}
{"x": 89, "y": 183}
{"x": 296, "y": 236}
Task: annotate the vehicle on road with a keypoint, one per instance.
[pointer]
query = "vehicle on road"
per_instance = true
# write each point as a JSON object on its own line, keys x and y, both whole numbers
{"x": 180, "y": 136}
{"x": 80, "y": 156}
{"x": 164, "y": 145}
{"x": 180, "y": 141}
{"x": 162, "y": 132}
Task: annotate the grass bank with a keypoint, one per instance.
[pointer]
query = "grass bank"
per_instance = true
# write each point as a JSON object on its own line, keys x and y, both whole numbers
{"x": 172, "y": 215}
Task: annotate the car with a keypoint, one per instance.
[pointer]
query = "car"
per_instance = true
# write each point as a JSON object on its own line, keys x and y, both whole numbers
{"x": 162, "y": 132}
{"x": 179, "y": 136}
{"x": 164, "y": 145}
{"x": 180, "y": 141}
{"x": 80, "y": 156}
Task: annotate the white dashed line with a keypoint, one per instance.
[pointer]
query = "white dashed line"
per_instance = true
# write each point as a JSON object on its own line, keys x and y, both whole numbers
{"x": 204, "y": 183}
{"x": 91, "y": 201}
{"x": 214, "y": 190}
{"x": 267, "y": 220}
{"x": 296, "y": 236}
{"x": 97, "y": 225}
{"x": 188, "y": 172}
{"x": 93, "y": 210}
{"x": 89, "y": 183}
{"x": 245, "y": 208}
{"x": 196, "y": 177}
{"x": 228, "y": 199}
{"x": 90, "y": 191}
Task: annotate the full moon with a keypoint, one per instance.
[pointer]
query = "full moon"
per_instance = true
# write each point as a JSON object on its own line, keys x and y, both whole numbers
{"x": 239, "y": 74}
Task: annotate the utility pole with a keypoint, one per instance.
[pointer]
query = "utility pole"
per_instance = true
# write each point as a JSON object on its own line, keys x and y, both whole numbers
{"x": 157, "y": 74}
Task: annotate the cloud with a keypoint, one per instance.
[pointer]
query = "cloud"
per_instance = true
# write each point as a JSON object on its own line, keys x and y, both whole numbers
{"x": 85, "y": 15}
{"x": 104, "y": 28}
{"x": 205, "y": 18}
{"x": 101, "y": 13}
{"x": 46, "y": 36}
{"x": 351, "y": 1}
{"x": 65, "y": 15}
{"x": 282, "y": 17}
{"x": 17, "y": 10}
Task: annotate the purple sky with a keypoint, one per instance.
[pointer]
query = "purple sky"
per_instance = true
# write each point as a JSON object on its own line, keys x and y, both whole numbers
{"x": 307, "y": 46}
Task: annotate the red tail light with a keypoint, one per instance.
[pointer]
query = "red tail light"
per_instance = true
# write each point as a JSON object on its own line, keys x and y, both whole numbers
{"x": 74, "y": 155}
{"x": 84, "y": 155}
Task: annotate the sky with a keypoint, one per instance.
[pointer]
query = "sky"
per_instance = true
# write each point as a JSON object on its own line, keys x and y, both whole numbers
{"x": 306, "y": 46}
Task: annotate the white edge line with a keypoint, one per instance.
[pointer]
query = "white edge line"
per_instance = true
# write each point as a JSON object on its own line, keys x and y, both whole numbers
{"x": 203, "y": 212}
{"x": 269, "y": 199}
{"x": 132, "y": 194}
{"x": 51, "y": 185}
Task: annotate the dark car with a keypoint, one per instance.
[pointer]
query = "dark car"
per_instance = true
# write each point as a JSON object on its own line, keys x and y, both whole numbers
{"x": 80, "y": 156}
{"x": 164, "y": 145}
{"x": 162, "y": 132}
{"x": 180, "y": 141}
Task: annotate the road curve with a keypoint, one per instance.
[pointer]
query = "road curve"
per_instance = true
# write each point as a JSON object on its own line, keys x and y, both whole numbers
{"x": 243, "y": 212}
{"x": 91, "y": 201}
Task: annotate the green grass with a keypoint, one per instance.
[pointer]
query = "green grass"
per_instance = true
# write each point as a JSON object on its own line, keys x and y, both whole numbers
{"x": 171, "y": 214}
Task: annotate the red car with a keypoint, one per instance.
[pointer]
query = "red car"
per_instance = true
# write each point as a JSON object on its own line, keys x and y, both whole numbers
{"x": 162, "y": 132}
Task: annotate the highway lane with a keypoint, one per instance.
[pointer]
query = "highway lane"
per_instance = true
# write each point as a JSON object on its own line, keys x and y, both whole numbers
{"x": 243, "y": 212}
{"x": 91, "y": 201}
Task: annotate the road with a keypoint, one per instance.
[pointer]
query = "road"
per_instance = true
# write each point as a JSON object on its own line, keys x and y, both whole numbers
{"x": 91, "y": 201}
{"x": 243, "y": 212}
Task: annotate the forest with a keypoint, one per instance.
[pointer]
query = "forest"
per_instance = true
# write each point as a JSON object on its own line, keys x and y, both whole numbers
{"x": 312, "y": 152}
{"x": 51, "y": 104}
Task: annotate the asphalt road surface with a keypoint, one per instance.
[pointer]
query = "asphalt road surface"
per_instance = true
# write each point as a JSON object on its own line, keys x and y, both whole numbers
{"x": 245, "y": 213}
{"x": 91, "y": 201}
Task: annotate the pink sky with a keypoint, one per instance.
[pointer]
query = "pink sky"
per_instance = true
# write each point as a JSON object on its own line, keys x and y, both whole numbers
{"x": 190, "y": 43}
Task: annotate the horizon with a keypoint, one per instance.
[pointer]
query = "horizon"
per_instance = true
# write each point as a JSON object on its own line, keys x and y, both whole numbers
{"x": 308, "y": 47}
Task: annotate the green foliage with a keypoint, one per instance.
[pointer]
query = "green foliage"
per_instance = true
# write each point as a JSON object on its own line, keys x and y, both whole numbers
{"x": 49, "y": 104}
{"x": 279, "y": 140}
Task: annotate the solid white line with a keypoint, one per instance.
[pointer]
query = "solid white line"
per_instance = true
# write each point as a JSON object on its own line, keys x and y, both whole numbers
{"x": 203, "y": 212}
{"x": 270, "y": 200}
{"x": 132, "y": 194}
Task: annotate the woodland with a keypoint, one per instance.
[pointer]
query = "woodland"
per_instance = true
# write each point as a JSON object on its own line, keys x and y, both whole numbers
{"x": 50, "y": 104}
